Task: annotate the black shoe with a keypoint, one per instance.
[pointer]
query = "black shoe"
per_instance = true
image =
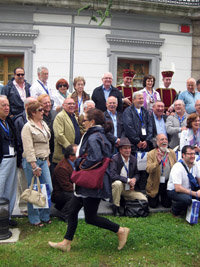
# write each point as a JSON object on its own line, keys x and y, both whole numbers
{"x": 12, "y": 223}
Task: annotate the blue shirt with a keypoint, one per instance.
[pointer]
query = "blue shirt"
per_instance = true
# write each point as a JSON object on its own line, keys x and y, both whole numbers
{"x": 106, "y": 92}
{"x": 114, "y": 119}
{"x": 189, "y": 99}
{"x": 160, "y": 125}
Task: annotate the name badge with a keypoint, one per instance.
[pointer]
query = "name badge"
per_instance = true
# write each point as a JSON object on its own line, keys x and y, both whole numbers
{"x": 162, "y": 179}
{"x": 127, "y": 187}
{"x": 144, "y": 131}
{"x": 11, "y": 150}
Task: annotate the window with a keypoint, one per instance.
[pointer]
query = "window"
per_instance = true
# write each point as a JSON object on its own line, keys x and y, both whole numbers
{"x": 7, "y": 64}
{"x": 140, "y": 66}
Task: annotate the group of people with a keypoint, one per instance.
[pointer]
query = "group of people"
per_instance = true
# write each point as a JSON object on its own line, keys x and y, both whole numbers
{"x": 50, "y": 133}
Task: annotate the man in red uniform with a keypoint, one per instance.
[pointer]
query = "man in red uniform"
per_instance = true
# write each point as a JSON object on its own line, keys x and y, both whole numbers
{"x": 167, "y": 94}
{"x": 126, "y": 87}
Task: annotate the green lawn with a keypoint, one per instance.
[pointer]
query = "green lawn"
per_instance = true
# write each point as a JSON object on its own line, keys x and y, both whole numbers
{"x": 158, "y": 240}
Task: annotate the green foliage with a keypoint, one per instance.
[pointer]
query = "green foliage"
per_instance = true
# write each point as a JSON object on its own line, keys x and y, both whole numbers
{"x": 158, "y": 240}
{"x": 96, "y": 12}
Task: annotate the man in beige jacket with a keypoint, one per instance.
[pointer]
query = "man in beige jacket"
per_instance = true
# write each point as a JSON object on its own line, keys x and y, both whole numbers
{"x": 159, "y": 163}
{"x": 66, "y": 130}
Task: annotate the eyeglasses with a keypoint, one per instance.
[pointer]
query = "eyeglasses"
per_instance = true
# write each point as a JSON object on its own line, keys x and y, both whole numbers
{"x": 85, "y": 120}
{"x": 20, "y": 74}
{"x": 40, "y": 109}
{"x": 62, "y": 85}
{"x": 69, "y": 104}
{"x": 190, "y": 154}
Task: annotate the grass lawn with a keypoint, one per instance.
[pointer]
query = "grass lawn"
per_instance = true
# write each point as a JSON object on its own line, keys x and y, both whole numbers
{"x": 158, "y": 240}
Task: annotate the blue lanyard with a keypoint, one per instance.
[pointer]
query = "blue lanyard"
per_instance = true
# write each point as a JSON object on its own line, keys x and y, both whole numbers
{"x": 79, "y": 104}
{"x": 164, "y": 161}
{"x": 46, "y": 90}
{"x": 7, "y": 130}
{"x": 195, "y": 139}
{"x": 125, "y": 168}
{"x": 140, "y": 116}
{"x": 151, "y": 95}
{"x": 181, "y": 120}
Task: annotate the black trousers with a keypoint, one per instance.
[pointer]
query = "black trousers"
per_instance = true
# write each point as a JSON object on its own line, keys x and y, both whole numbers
{"x": 90, "y": 209}
{"x": 161, "y": 197}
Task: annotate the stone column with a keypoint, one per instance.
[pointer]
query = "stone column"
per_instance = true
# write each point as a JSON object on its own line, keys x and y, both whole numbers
{"x": 195, "y": 73}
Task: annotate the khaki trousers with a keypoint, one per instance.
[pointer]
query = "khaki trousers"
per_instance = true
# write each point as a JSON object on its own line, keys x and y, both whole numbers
{"x": 118, "y": 190}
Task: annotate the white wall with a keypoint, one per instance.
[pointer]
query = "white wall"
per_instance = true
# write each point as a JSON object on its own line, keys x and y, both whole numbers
{"x": 176, "y": 52}
{"x": 52, "y": 48}
{"x": 90, "y": 56}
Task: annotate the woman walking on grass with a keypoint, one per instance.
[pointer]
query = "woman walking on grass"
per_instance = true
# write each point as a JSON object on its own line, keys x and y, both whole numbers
{"x": 95, "y": 146}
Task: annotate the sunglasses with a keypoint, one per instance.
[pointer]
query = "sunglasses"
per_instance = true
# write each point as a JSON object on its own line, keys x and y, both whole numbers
{"x": 85, "y": 120}
{"x": 20, "y": 74}
{"x": 62, "y": 85}
{"x": 40, "y": 109}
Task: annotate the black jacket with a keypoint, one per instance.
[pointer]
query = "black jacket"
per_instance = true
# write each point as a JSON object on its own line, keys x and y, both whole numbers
{"x": 133, "y": 125}
{"x": 16, "y": 103}
{"x": 2, "y": 133}
{"x": 96, "y": 145}
{"x": 116, "y": 166}
{"x": 120, "y": 127}
{"x": 99, "y": 99}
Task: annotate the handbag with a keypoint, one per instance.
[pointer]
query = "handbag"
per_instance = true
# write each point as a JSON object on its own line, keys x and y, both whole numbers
{"x": 193, "y": 181}
{"x": 92, "y": 177}
{"x": 33, "y": 196}
{"x": 136, "y": 208}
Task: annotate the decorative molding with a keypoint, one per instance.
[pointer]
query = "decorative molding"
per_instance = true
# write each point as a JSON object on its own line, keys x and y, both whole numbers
{"x": 19, "y": 35}
{"x": 122, "y": 40}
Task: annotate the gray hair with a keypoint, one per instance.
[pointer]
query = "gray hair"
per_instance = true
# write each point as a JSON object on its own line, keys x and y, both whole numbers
{"x": 88, "y": 102}
{"x": 39, "y": 69}
{"x": 110, "y": 97}
{"x": 107, "y": 73}
{"x": 137, "y": 93}
{"x": 29, "y": 100}
{"x": 182, "y": 102}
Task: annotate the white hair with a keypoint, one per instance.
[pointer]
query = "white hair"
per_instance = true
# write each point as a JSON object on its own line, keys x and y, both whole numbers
{"x": 39, "y": 69}
{"x": 137, "y": 93}
{"x": 88, "y": 102}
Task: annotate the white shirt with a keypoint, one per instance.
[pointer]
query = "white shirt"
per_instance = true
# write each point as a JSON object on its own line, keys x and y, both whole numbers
{"x": 178, "y": 175}
{"x": 37, "y": 89}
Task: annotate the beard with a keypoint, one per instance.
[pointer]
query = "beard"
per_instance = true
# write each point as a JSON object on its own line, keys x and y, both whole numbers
{"x": 163, "y": 149}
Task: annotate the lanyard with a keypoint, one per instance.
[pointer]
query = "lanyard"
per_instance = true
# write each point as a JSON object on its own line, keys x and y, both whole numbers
{"x": 195, "y": 139}
{"x": 4, "y": 128}
{"x": 46, "y": 90}
{"x": 181, "y": 120}
{"x": 164, "y": 161}
{"x": 151, "y": 95}
{"x": 79, "y": 105}
{"x": 140, "y": 116}
{"x": 125, "y": 168}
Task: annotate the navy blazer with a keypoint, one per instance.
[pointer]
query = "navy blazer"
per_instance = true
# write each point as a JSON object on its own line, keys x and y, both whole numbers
{"x": 100, "y": 101}
{"x": 16, "y": 103}
{"x": 133, "y": 125}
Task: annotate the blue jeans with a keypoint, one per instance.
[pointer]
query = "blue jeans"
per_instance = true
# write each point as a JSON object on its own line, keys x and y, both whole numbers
{"x": 180, "y": 201}
{"x": 37, "y": 215}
